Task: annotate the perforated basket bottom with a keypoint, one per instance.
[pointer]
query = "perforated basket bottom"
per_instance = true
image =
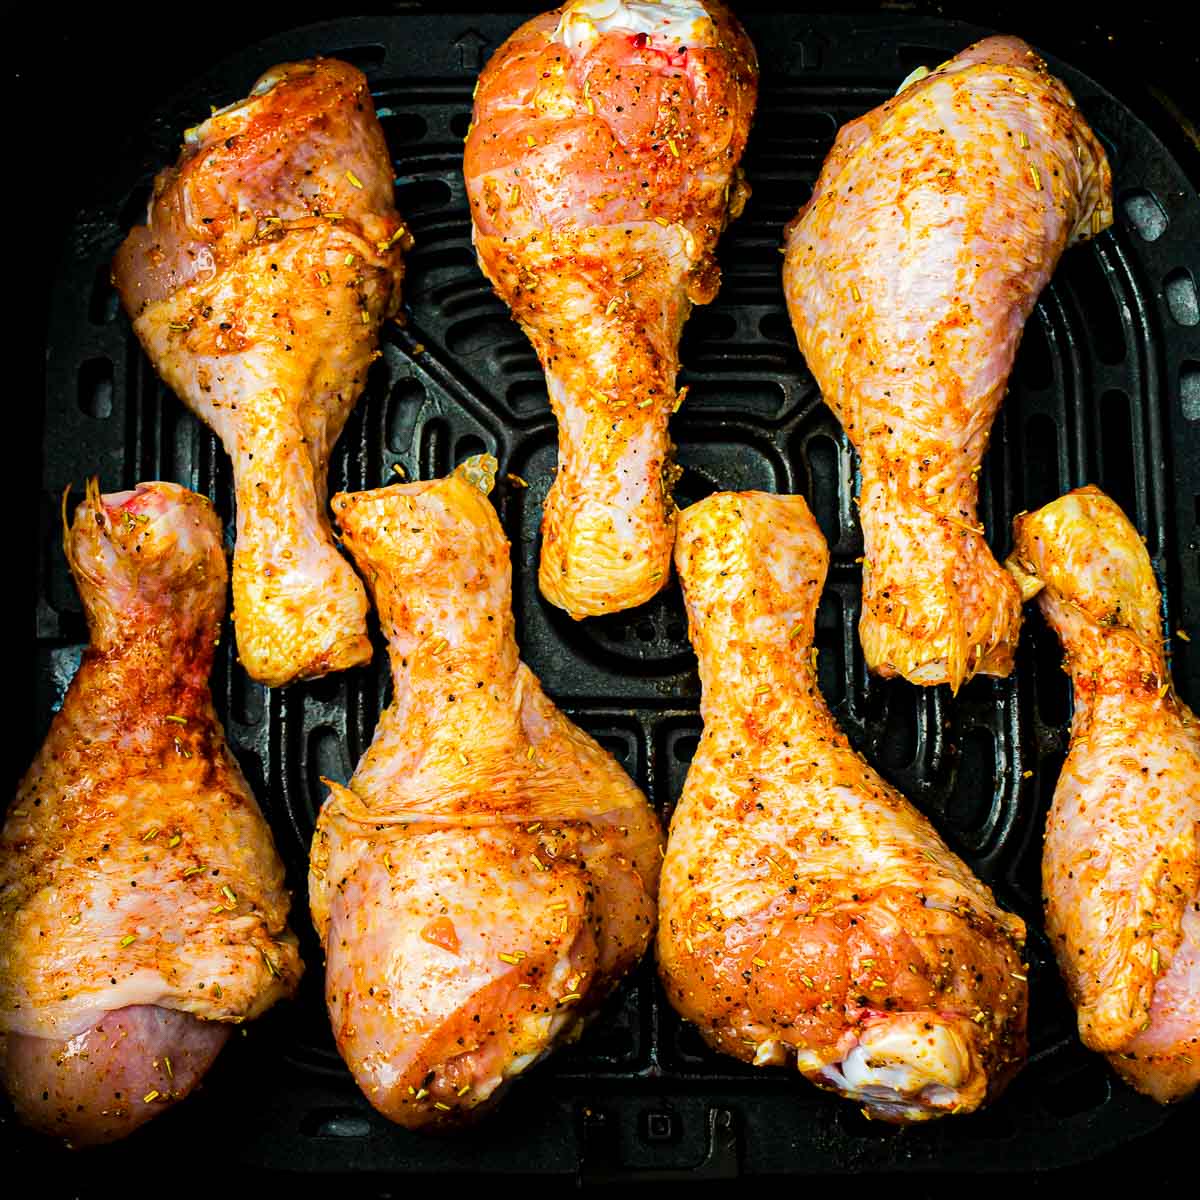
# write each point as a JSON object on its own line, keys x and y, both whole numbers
{"x": 1105, "y": 391}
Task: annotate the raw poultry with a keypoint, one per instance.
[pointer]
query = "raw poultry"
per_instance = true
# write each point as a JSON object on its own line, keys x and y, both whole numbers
{"x": 809, "y": 915}
{"x": 601, "y": 167}
{"x": 489, "y": 874}
{"x": 936, "y": 222}
{"x": 142, "y": 904}
{"x": 1121, "y": 866}
{"x": 270, "y": 257}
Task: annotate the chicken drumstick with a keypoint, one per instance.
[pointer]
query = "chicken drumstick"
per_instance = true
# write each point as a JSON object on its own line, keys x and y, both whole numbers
{"x": 1121, "y": 867}
{"x": 490, "y": 873}
{"x": 271, "y": 255}
{"x": 601, "y": 168}
{"x": 142, "y": 906}
{"x": 937, "y": 220}
{"x": 809, "y": 914}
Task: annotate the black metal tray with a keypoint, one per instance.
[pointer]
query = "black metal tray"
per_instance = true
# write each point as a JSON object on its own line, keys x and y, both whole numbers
{"x": 1106, "y": 389}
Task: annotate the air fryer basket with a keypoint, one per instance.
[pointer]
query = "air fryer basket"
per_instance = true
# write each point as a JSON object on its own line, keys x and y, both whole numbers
{"x": 1106, "y": 390}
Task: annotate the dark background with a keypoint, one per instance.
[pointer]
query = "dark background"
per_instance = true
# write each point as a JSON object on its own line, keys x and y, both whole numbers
{"x": 82, "y": 81}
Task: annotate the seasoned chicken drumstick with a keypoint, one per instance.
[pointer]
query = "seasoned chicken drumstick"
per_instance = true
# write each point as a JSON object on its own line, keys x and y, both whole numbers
{"x": 142, "y": 906}
{"x": 601, "y": 167}
{"x": 936, "y": 222}
{"x": 1121, "y": 867}
{"x": 271, "y": 255}
{"x": 490, "y": 873}
{"x": 809, "y": 914}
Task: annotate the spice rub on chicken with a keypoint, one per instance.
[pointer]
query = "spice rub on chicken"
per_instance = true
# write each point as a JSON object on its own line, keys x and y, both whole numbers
{"x": 1121, "y": 864}
{"x": 270, "y": 257}
{"x": 489, "y": 874}
{"x": 937, "y": 220}
{"x": 602, "y": 167}
{"x": 142, "y": 904}
{"x": 810, "y": 915}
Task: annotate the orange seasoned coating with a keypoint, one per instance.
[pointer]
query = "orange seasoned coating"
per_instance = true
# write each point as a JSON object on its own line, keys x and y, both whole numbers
{"x": 270, "y": 257}
{"x": 809, "y": 915}
{"x": 138, "y": 880}
{"x": 1121, "y": 866}
{"x": 489, "y": 873}
{"x": 936, "y": 222}
{"x": 601, "y": 168}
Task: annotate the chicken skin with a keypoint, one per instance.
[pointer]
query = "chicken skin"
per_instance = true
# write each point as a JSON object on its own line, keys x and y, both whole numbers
{"x": 936, "y": 221}
{"x": 490, "y": 873}
{"x": 809, "y": 914}
{"x": 1121, "y": 865}
{"x": 270, "y": 257}
{"x": 602, "y": 166}
{"x": 142, "y": 905}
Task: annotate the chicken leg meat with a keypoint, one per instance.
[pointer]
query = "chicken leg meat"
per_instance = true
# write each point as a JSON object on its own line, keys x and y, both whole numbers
{"x": 1121, "y": 865}
{"x": 809, "y": 914}
{"x": 936, "y": 221}
{"x": 490, "y": 872}
{"x": 270, "y": 257}
{"x": 142, "y": 903}
{"x": 602, "y": 166}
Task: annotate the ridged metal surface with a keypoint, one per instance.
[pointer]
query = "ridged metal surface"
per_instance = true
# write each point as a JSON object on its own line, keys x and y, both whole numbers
{"x": 1106, "y": 390}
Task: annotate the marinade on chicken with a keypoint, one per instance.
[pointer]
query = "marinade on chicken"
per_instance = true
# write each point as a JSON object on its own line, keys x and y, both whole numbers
{"x": 601, "y": 168}
{"x": 270, "y": 258}
{"x": 809, "y": 915}
{"x": 1121, "y": 864}
{"x": 143, "y": 911}
{"x": 937, "y": 220}
{"x": 489, "y": 873}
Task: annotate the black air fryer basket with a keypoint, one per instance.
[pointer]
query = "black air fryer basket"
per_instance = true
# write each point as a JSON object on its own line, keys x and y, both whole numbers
{"x": 1106, "y": 390}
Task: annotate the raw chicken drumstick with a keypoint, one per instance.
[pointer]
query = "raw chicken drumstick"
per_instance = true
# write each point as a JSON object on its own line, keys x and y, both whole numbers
{"x": 490, "y": 873}
{"x": 602, "y": 165}
{"x": 937, "y": 220}
{"x": 142, "y": 906}
{"x": 1121, "y": 866}
{"x": 271, "y": 255}
{"x": 809, "y": 914}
